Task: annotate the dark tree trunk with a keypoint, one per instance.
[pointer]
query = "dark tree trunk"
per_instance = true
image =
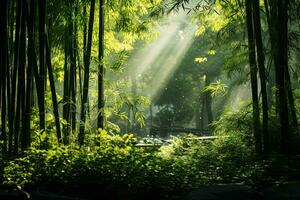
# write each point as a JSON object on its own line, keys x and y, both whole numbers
{"x": 4, "y": 67}
{"x": 83, "y": 52}
{"x": 73, "y": 71}
{"x": 262, "y": 74}
{"x": 100, "y": 67}
{"x": 42, "y": 54}
{"x": 14, "y": 73}
{"x": 279, "y": 15}
{"x": 253, "y": 74}
{"x": 53, "y": 91}
{"x": 21, "y": 63}
{"x": 10, "y": 32}
{"x": 84, "y": 31}
{"x": 76, "y": 58}
{"x": 291, "y": 100}
{"x": 66, "y": 97}
{"x": 10, "y": 17}
{"x": 21, "y": 75}
{"x": 86, "y": 75}
{"x": 29, "y": 13}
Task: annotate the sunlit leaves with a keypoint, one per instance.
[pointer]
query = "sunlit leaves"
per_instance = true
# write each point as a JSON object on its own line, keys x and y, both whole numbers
{"x": 211, "y": 52}
{"x": 216, "y": 22}
{"x": 139, "y": 116}
{"x": 201, "y": 60}
{"x": 127, "y": 21}
{"x": 200, "y": 31}
{"x": 216, "y": 88}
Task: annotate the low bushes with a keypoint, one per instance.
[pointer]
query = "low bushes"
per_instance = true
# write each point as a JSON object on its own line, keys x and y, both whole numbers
{"x": 115, "y": 168}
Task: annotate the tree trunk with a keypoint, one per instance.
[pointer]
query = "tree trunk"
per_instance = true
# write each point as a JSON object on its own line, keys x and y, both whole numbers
{"x": 53, "y": 91}
{"x": 86, "y": 75}
{"x": 253, "y": 74}
{"x": 10, "y": 17}
{"x": 21, "y": 63}
{"x": 281, "y": 64}
{"x": 4, "y": 70}
{"x": 26, "y": 116}
{"x": 42, "y": 72}
{"x": 291, "y": 100}
{"x": 21, "y": 75}
{"x": 66, "y": 95}
{"x": 262, "y": 74}
{"x": 100, "y": 67}
{"x": 14, "y": 73}
{"x": 74, "y": 71}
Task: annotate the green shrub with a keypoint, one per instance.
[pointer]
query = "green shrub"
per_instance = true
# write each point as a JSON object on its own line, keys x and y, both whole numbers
{"x": 115, "y": 165}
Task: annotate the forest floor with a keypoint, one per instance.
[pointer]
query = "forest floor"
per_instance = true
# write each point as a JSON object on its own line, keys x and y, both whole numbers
{"x": 288, "y": 191}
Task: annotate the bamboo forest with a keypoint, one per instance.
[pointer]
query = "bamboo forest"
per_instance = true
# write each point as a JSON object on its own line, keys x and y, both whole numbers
{"x": 149, "y": 99}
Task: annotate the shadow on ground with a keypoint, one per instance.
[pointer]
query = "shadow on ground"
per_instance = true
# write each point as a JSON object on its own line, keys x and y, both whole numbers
{"x": 288, "y": 191}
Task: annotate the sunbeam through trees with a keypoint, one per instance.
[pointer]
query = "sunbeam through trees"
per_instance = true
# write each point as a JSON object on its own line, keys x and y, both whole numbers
{"x": 149, "y": 99}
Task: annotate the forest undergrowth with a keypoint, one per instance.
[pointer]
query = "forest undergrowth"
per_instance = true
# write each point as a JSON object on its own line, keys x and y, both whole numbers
{"x": 113, "y": 167}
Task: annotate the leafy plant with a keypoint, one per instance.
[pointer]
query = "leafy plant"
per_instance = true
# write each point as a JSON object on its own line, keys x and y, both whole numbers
{"x": 217, "y": 88}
